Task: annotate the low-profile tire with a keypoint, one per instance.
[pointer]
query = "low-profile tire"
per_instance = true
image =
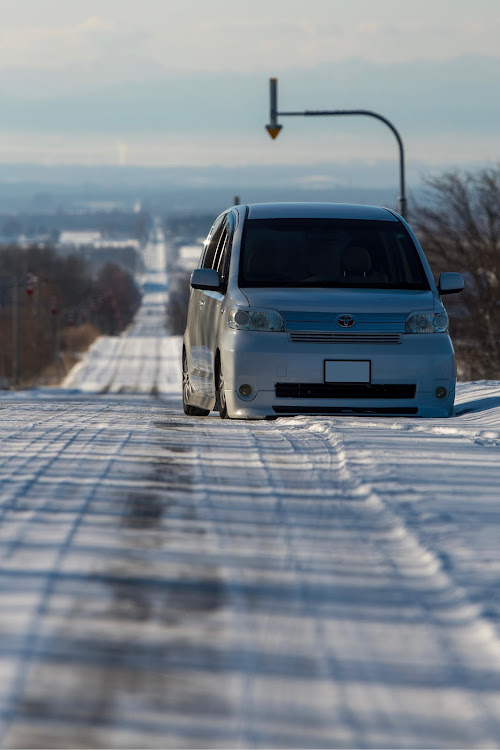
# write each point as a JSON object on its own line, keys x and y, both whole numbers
{"x": 191, "y": 411}
{"x": 220, "y": 393}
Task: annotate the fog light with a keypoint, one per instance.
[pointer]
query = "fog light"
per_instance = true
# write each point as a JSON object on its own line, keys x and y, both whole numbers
{"x": 241, "y": 317}
{"x": 245, "y": 389}
{"x": 441, "y": 391}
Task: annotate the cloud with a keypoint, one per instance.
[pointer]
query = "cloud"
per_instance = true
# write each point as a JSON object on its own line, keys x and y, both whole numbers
{"x": 217, "y": 35}
{"x": 51, "y": 47}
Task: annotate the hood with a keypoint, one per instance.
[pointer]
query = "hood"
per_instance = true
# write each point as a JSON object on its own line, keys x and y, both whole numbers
{"x": 342, "y": 300}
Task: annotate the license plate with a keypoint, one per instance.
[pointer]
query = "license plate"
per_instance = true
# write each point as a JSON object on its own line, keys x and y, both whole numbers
{"x": 347, "y": 371}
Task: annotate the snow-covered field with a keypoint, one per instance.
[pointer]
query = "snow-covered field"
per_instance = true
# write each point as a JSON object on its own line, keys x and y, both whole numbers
{"x": 177, "y": 582}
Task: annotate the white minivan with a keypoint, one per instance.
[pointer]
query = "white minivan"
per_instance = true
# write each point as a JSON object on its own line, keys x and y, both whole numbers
{"x": 316, "y": 308}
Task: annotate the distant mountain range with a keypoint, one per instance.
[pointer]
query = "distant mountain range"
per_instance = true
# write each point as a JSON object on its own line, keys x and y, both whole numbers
{"x": 43, "y": 188}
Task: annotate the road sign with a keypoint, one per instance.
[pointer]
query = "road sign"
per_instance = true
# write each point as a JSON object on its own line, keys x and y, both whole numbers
{"x": 273, "y": 130}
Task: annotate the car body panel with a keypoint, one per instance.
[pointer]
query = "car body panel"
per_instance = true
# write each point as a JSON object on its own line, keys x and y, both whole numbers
{"x": 341, "y": 300}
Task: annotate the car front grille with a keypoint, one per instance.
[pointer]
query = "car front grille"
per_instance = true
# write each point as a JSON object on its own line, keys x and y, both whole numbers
{"x": 325, "y": 337}
{"x": 359, "y": 410}
{"x": 327, "y": 322}
{"x": 345, "y": 390}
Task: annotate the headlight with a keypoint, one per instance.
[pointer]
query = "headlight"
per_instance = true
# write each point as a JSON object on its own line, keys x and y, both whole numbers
{"x": 253, "y": 319}
{"x": 426, "y": 322}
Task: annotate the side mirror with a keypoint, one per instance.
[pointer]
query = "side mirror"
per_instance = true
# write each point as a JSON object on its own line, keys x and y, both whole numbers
{"x": 450, "y": 283}
{"x": 205, "y": 278}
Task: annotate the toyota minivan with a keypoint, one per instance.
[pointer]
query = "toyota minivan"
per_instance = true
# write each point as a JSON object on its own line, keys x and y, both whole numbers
{"x": 316, "y": 308}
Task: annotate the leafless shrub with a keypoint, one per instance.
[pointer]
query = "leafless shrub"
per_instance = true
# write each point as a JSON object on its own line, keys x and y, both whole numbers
{"x": 459, "y": 226}
{"x": 78, "y": 338}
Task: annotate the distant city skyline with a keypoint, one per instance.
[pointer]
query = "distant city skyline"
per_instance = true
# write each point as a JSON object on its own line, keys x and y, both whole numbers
{"x": 163, "y": 83}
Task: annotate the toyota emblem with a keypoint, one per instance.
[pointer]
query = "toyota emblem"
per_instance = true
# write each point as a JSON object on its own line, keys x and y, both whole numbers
{"x": 345, "y": 321}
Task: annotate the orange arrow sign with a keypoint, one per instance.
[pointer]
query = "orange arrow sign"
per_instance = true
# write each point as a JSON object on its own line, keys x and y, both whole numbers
{"x": 273, "y": 130}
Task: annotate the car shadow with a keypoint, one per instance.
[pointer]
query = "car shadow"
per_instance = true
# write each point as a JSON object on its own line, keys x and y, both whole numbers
{"x": 476, "y": 405}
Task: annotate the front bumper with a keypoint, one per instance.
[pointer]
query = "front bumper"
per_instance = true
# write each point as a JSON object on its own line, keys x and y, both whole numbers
{"x": 263, "y": 360}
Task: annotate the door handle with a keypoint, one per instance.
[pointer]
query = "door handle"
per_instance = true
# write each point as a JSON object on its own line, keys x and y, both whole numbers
{"x": 201, "y": 303}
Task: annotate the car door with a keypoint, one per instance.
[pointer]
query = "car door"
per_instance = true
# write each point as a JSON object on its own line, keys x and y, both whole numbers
{"x": 211, "y": 302}
{"x": 196, "y": 304}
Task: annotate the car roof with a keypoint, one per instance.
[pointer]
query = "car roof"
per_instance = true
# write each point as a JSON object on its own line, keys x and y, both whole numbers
{"x": 319, "y": 211}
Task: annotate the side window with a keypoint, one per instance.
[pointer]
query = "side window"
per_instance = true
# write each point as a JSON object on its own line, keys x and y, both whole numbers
{"x": 213, "y": 243}
{"x": 224, "y": 250}
{"x": 218, "y": 251}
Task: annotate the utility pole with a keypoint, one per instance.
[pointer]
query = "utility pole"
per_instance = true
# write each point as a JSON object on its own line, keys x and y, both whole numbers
{"x": 15, "y": 332}
{"x": 274, "y": 129}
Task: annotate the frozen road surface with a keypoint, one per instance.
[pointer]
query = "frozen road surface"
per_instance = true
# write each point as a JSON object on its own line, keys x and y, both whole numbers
{"x": 169, "y": 581}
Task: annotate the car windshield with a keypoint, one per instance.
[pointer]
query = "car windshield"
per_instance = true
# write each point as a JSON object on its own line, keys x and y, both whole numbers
{"x": 329, "y": 253}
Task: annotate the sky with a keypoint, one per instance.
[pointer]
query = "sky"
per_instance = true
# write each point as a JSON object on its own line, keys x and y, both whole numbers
{"x": 156, "y": 82}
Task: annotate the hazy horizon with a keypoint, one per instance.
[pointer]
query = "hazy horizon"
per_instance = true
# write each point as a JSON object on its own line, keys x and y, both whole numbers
{"x": 40, "y": 189}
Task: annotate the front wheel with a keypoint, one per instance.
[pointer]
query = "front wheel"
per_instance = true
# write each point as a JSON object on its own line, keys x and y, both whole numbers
{"x": 220, "y": 392}
{"x": 191, "y": 411}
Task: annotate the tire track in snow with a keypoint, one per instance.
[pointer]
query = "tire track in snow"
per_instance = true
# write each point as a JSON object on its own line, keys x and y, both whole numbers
{"x": 35, "y": 503}
{"x": 329, "y": 525}
{"x": 333, "y": 499}
{"x": 31, "y": 640}
{"x": 308, "y": 467}
{"x": 23, "y": 463}
{"x": 459, "y": 624}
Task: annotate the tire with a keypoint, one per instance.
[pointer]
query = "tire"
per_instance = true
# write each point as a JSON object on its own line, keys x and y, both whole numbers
{"x": 191, "y": 411}
{"x": 220, "y": 393}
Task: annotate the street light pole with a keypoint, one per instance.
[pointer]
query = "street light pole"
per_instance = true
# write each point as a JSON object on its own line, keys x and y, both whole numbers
{"x": 274, "y": 128}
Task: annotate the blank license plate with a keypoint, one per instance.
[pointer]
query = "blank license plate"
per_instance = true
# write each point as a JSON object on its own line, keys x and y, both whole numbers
{"x": 347, "y": 371}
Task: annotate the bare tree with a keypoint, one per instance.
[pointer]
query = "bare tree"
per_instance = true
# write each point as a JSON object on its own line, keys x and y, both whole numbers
{"x": 55, "y": 309}
{"x": 459, "y": 226}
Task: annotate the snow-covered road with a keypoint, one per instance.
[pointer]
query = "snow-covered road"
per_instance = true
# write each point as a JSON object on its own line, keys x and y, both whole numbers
{"x": 169, "y": 581}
